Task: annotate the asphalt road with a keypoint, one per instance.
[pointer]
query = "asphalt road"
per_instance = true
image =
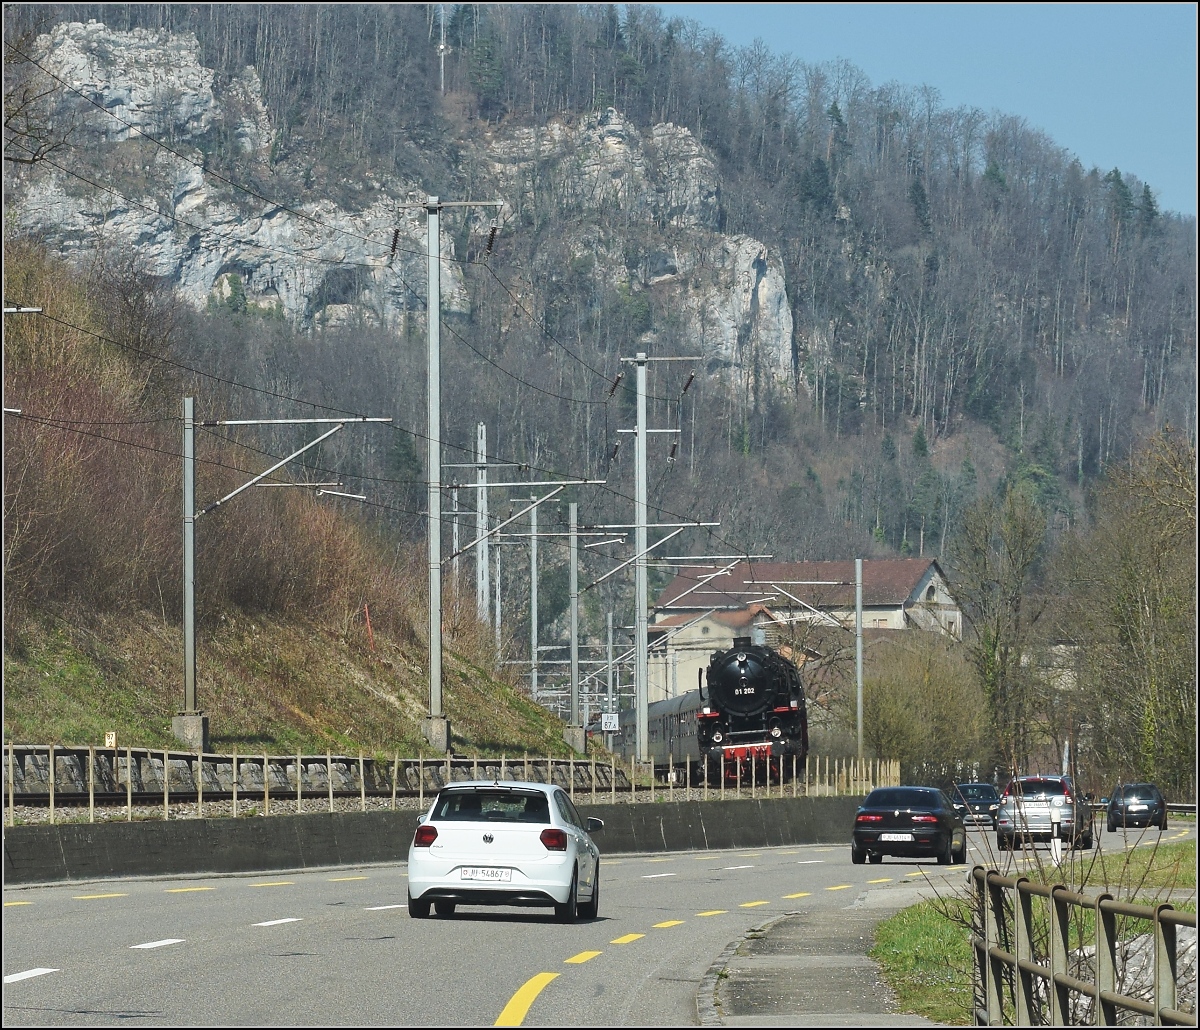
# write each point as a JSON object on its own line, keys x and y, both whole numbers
{"x": 337, "y": 947}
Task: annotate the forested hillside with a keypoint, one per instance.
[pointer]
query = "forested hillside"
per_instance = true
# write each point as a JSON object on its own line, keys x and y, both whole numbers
{"x": 898, "y": 311}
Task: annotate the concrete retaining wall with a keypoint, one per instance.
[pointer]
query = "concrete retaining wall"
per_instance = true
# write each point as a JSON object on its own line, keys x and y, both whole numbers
{"x": 94, "y": 851}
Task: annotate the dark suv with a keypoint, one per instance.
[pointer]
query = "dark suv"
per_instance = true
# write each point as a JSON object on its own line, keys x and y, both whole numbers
{"x": 1042, "y": 808}
{"x": 1137, "y": 804}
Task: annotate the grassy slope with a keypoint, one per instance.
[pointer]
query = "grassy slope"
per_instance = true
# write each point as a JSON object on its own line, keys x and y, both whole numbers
{"x": 265, "y": 683}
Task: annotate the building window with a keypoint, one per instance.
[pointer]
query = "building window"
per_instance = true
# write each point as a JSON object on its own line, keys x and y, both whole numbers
{"x": 930, "y": 593}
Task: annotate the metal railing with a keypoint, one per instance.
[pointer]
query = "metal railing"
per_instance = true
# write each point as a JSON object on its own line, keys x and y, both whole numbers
{"x": 73, "y": 782}
{"x": 1026, "y": 973}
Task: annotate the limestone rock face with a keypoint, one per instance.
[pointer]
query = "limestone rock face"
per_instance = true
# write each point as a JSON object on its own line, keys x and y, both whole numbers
{"x": 148, "y": 81}
{"x": 601, "y": 179}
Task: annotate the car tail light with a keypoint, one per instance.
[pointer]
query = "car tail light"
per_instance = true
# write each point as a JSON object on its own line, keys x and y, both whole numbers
{"x": 426, "y": 835}
{"x": 554, "y": 840}
{"x": 924, "y": 818}
{"x": 868, "y": 818}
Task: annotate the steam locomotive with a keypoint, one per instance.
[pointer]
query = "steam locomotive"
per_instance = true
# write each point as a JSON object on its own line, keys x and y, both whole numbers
{"x": 753, "y": 710}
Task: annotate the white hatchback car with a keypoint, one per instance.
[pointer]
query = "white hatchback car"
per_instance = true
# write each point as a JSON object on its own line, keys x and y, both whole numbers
{"x": 504, "y": 842}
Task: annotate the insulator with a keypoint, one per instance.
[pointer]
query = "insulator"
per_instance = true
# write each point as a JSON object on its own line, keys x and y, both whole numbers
{"x": 687, "y": 384}
{"x": 616, "y": 383}
{"x": 492, "y": 237}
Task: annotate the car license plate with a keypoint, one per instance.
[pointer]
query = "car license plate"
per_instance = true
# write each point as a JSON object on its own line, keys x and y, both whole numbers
{"x": 895, "y": 836}
{"x": 1137, "y": 808}
{"x": 474, "y": 872}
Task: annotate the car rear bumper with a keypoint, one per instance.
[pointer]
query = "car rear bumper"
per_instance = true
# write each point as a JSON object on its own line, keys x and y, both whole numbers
{"x": 524, "y": 897}
{"x": 551, "y": 884}
{"x": 1140, "y": 819}
{"x": 923, "y": 847}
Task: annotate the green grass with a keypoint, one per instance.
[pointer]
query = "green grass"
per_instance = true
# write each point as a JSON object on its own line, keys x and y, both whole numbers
{"x": 924, "y": 952}
{"x": 267, "y": 684}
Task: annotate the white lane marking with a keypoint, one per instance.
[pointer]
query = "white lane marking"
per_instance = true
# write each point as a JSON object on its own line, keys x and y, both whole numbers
{"x": 380, "y": 908}
{"x": 12, "y": 978}
{"x": 736, "y": 867}
{"x": 656, "y": 876}
{"x": 158, "y": 944}
{"x": 811, "y": 861}
{"x": 276, "y": 922}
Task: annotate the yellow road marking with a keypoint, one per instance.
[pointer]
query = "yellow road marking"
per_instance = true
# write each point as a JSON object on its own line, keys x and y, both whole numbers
{"x": 277, "y": 883}
{"x": 660, "y": 860}
{"x": 751, "y": 854}
{"x": 669, "y": 922}
{"x": 706, "y": 858}
{"x": 629, "y": 938}
{"x": 713, "y": 912}
{"x": 840, "y": 887}
{"x": 93, "y": 897}
{"x": 917, "y": 872}
{"x": 886, "y": 879}
{"x": 187, "y": 890}
{"x": 343, "y": 879}
{"x": 753, "y": 904}
{"x": 581, "y": 958}
{"x": 518, "y": 1005}
{"x": 10, "y": 904}
{"x": 802, "y": 894}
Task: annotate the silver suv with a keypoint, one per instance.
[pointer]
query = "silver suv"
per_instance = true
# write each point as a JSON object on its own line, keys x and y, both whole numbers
{"x": 1041, "y": 808}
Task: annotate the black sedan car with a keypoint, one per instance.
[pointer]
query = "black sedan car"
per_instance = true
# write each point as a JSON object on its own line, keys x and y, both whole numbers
{"x": 1137, "y": 804}
{"x": 908, "y": 822}
{"x": 976, "y": 802}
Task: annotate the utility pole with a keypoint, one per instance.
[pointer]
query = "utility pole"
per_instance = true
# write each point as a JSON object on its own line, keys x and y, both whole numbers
{"x": 191, "y": 725}
{"x": 482, "y": 588}
{"x": 499, "y": 639}
{"x": 610, "y": 709}
{"x": 575, "y": 733}
{"x": 454, "y": 538}
{"x": 533, "y": 601}
{"x": 436, "y": 726}
{"x": 858, "y": 651}
{"x": 641, "y": 663}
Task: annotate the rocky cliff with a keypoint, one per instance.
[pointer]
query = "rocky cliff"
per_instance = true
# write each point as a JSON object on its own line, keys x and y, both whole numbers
{"x": 150, "y": 109}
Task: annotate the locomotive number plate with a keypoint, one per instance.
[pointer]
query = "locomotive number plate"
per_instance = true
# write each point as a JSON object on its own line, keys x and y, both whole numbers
{"x": 895, "y": 836}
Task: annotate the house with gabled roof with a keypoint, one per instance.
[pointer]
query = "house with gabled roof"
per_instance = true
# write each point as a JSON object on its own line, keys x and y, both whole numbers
{"x": 704, "y": 607}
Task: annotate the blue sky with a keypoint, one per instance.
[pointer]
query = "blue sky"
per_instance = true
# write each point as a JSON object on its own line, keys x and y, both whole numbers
{"x": 1114, "y": 84}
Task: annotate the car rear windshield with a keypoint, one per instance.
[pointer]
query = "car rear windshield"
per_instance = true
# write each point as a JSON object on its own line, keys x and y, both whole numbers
{"x": 976, "y": 791}
{"x": 1139, "y": 790}
{"x": 1034, "y": 787}
{"x": 896, "y": 797}
{"x": 498, "y": 806}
